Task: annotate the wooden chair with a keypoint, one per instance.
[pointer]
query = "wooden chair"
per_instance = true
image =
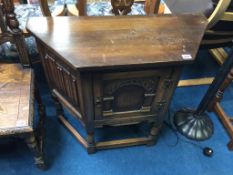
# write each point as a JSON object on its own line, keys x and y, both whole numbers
{"x": 17, "y": 89}
{"x": 216, "y": 36}
{"x": 118, "y": 7}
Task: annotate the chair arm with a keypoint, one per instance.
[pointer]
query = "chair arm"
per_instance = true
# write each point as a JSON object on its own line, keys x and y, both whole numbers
{"x": 218, "y": 12}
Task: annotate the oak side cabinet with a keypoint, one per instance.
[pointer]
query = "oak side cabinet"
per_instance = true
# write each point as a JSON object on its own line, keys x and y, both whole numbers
{"x": 114, "y": 71}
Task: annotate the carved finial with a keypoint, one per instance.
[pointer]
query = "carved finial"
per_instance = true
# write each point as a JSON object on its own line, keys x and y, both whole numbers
{"x": 11, "y": 20}
{"x": 13, "y": 24}
{"x": 121, "y": 7}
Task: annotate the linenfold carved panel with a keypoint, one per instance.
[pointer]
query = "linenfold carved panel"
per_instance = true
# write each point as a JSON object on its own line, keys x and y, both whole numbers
{"x": 62, "y": 79}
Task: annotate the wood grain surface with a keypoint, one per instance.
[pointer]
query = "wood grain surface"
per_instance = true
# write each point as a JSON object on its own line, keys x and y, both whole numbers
{"x": 15, "y": 96}
{"x": 98, "y": 42}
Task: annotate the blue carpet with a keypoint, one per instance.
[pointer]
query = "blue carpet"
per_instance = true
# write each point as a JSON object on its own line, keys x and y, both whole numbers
{"x": 65, "y": 156}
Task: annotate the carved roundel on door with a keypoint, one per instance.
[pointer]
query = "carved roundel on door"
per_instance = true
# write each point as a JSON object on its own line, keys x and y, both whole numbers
{"x": 128, "y": 98}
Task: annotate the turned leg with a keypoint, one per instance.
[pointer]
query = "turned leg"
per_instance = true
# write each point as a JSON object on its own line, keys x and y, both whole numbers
{"x": 154, "y": 132}
{"x": 219, "y": 95}
{"x": 41, "y": 112}
{"x": 91, "y": 143}
{"x": 36, "y": 150}
{"x": 41, "y": 107}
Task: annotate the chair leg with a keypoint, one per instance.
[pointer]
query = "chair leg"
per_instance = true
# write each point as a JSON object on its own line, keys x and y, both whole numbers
{"x": 42, "y": 114}
{"x": 36, "y": 150}
{"x": 220, "y": 92}
{"x": 41, "y": 107}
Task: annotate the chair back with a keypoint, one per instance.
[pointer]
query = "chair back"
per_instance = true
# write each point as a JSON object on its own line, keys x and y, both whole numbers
{"x": 119, "y": 7}
{"x": 123, "y": 7}
{"x": 220, "y": 29}
{"x": 10, "y": 31}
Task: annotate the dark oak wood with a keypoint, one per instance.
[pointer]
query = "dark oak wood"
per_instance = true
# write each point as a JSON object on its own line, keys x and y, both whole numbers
{"x": 114, "y": 71}
{"x": 101, "y": 42}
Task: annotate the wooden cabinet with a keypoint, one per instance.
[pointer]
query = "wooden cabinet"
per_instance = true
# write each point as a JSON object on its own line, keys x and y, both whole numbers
{"x": 114, "y": 71}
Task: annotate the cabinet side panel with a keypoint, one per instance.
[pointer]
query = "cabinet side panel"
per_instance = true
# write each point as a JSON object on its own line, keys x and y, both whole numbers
{"x": 59, "y": 76}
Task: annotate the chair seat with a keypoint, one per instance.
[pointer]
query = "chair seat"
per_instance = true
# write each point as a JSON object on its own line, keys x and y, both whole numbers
{"x": 16, "y": 99}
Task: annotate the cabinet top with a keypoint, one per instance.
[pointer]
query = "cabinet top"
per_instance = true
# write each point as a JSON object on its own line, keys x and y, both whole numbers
{"x": 103, "y": 42}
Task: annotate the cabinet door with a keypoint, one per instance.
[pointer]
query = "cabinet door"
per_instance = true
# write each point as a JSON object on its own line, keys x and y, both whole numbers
{"x": 130, "y": 94}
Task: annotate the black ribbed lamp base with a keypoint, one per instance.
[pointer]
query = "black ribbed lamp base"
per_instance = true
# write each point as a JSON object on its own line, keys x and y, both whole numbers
{"x": 193, "y": 126}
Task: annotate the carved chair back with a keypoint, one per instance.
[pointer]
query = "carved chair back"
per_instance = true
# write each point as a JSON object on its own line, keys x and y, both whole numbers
{"x": 10, "y": 31}
{"x": 119, "y": 7}
{"x": 124, "y": 6}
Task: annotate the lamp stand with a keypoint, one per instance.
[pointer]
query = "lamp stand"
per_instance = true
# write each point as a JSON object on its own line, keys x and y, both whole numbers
{"x": 196, "y": 124}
